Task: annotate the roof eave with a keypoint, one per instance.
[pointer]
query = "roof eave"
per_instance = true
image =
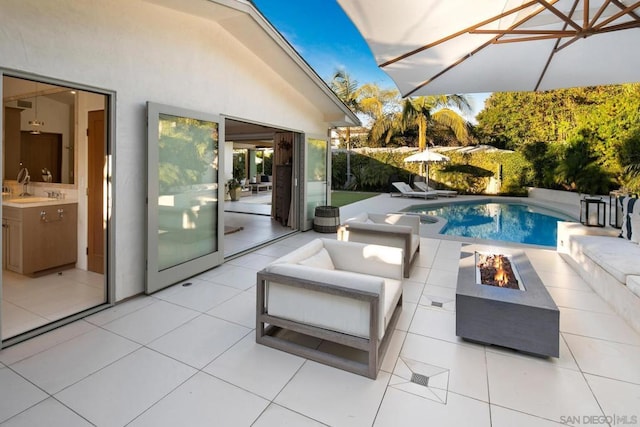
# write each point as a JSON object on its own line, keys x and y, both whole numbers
{"x": 231, "y": 14}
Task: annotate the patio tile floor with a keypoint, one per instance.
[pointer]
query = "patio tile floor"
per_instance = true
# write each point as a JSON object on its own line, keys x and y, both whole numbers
{"x": 187, "y": 356}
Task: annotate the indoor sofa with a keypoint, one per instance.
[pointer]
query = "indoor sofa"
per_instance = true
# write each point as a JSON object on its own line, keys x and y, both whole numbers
{"x": 344, "y": 292}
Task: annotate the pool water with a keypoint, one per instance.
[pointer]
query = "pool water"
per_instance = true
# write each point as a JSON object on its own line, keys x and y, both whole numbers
{"x": 511, "y": 222}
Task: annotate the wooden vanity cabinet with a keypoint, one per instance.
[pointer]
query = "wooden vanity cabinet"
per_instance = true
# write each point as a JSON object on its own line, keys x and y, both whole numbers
{"x": 11, "y": 243}
{"x": 38, "y": 239}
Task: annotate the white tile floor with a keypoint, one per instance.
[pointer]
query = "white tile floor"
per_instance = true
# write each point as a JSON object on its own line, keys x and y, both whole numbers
{"x": 187, "y": 356}
{"x": 253, "y": 215}
{"x": 28, "y": 303}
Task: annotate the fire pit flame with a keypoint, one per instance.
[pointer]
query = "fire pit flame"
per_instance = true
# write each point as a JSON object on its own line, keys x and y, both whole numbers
{"x": 496, "y": 270}
{"x": 500, "y": 278}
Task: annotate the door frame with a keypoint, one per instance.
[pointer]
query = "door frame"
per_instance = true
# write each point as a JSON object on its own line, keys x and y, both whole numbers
{"x": 110, "y": 152}
{"x": 156, "y": 279}
{"x": 306, "y": 216}
{"x": 92, "y": 207}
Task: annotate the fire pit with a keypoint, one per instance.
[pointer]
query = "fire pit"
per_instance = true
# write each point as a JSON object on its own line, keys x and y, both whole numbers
{"x": 501, "y": 300}
{"x": 497, "y": 270}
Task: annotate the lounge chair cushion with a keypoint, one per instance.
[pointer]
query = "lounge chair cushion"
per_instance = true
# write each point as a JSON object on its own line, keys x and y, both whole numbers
{"x": 395, "y": 230}
{"x": 321, "y": 259}
{"x": 407, "y": 191}
{"x": 633, "y": 283}
{"x": 422, "y": 186}
{"x": 326, "y": 311}
{"x": 617, "y": 256}
{"x": 635, "y": 227}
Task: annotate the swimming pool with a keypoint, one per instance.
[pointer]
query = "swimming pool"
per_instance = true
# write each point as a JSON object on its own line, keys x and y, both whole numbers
{"x": 506, "y": 221}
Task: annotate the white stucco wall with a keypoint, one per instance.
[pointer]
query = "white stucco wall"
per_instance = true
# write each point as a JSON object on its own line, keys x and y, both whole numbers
{"x": 143, "y": 52}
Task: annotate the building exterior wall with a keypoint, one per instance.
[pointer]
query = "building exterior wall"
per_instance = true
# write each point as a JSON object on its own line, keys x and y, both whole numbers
{"x": 143, "y": 52}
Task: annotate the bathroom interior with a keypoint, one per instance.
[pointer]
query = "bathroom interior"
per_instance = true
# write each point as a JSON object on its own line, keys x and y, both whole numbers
{"x": 54, "y": 199}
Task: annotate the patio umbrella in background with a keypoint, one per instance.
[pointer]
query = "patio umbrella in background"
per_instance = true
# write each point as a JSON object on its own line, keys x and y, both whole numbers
{"x": 425, "y": 157}
{"x": 432, "y": 47}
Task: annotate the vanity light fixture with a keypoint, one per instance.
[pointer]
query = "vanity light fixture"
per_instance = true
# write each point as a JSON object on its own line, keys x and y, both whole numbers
{"x": 35, "y": 122}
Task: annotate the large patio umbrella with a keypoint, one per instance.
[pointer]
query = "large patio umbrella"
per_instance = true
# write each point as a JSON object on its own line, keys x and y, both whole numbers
{"x": 425, "y": 157}
{"x": 431, "y": 47}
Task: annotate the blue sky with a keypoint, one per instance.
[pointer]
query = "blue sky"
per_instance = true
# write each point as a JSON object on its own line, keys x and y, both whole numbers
{"x": 325, "y": 37}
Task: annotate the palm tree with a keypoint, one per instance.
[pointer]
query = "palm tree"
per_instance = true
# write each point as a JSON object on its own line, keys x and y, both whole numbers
{"x": 422, "y": 110}
{"x": 382, "y": 107}
{"x": 346, "y": 88}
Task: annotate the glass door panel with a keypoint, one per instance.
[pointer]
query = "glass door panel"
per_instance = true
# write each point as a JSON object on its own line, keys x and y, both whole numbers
{"x": 48, "y": 279}
{"x": 317, "y": 151}
{"x": 184, "y": 213}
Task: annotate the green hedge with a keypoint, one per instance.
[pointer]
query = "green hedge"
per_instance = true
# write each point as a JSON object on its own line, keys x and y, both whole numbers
{"x": 466, "y": 173}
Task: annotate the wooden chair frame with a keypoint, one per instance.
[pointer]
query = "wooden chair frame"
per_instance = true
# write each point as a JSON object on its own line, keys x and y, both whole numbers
{"x": 373, "y": 346}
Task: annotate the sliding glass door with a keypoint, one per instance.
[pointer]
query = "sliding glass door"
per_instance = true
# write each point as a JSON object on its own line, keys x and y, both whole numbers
{"x": 184, "y": 213}
{"x": 316, "y": 156}
{"x": 57, "y": 195}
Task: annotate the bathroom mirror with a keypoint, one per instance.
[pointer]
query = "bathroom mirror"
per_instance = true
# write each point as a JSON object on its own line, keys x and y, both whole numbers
{"x": 39, "y": 130}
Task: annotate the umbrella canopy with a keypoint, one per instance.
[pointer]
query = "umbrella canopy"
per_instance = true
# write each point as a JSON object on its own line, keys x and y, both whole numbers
{"x": 425, "y": 157}
{"x": 431, "y": 47}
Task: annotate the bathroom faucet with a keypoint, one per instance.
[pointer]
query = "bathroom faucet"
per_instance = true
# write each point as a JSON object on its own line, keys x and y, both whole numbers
{"x": 55, "y": 194}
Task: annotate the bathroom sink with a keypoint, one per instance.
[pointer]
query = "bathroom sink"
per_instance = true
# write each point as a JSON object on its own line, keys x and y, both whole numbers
{"x": 30, "y": 200}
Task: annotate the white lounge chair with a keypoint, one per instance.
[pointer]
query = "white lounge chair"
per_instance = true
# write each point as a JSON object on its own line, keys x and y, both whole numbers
{"x": 422, "y": 186}
{"x": 395, "y": 230}
{"x": 344, "y": 292}
{"x": 406, "y": 191}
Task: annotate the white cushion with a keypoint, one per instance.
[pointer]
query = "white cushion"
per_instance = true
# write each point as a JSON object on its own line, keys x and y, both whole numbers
{"x": 361, "y": 217}
{"x": 302, "y": 253}
{"x": 370, "y": 259}
{"x": 321, "y": 259}
{"x": 633, "y": 283}
{"x": 328, "y": 311}
{"x": 619, "y": 257}
{"x": 635, "y": 227}
{"x": 332, "y": 312}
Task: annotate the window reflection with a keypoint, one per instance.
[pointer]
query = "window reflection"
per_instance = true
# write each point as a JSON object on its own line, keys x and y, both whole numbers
{"x": 188, "y": 189}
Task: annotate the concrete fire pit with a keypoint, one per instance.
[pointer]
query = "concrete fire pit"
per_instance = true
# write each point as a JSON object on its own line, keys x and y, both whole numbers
{"x": 527, "y": 320}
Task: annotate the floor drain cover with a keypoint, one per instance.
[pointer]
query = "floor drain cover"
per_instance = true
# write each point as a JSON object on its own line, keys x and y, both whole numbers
{"x": 420, "y": 379}
{"x": 436, "y": 303}
{"x": 187, "y": 284}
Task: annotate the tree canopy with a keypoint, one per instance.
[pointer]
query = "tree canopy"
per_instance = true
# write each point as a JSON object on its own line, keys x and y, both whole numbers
{"x": 602, "y": 121}
{"x": 584, "y": 139}
{"x": 392, "y": 121}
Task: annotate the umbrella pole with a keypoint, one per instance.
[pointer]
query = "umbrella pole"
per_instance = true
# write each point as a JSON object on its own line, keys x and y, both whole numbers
{"x": 427, "y": 176}
{"x": 427, "y": 168}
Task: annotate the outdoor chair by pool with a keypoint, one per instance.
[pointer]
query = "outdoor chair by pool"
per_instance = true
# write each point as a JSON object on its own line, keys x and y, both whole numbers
{"x": 396, "y": 230}
{"x": 406, "y": 191}
{"x": 422, "y": 186}
{"x": 345, "y": 293}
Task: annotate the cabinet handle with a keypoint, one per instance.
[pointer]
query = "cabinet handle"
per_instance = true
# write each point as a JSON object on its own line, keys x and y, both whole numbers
{"x": 43, "y": 216}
